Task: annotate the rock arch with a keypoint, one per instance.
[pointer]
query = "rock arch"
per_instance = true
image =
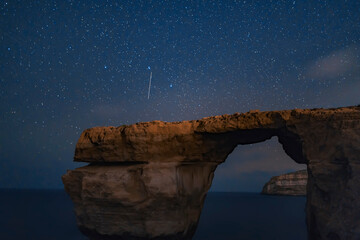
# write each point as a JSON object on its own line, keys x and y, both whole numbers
{"x": 149, "y": 180}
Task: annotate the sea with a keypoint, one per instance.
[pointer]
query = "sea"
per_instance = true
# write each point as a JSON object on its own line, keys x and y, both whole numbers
{"x": 49, "y": 215}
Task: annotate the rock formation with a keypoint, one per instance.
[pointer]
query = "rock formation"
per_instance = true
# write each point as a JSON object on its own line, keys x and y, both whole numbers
{"x": 292, "y": 184}
{"x": 149, "y": 180}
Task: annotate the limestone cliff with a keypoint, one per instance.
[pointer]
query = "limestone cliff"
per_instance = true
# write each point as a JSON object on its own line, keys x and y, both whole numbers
{"x": 292, "y": 184}
{"x": 149, "y": 180}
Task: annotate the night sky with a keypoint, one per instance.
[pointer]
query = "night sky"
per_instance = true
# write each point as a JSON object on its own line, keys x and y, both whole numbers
{"x": 69, "y": 65}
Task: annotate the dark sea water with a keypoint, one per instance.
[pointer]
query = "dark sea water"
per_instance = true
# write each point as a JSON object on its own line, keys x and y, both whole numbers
{"x": 48, "y": 214}
{"x": 252, "y": 216}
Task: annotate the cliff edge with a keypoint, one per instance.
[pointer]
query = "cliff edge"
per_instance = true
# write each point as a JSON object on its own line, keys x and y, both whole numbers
{"x": 290, "y": 184}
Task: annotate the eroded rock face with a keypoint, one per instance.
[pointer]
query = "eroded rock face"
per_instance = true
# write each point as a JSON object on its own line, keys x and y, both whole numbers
{"x": 145, "y": 200}
{"x": 290, "y": 184}
{"x": 149, "y": 180}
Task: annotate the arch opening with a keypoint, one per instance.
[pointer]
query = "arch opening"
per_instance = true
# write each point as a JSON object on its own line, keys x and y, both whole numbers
{"x": 248, "y": 167}
{"x": 234, "y": 206}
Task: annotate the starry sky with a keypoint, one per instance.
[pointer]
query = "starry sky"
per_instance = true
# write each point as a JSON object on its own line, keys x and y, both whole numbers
{"x": 69, "y": 65}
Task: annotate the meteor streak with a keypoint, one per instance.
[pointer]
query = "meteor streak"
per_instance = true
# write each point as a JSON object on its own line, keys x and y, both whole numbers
{"x": 149, "y": 85}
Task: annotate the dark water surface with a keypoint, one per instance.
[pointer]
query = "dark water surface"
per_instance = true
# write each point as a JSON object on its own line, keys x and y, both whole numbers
{"x": 48, "y": 214}
{"x": 252, "y": 216}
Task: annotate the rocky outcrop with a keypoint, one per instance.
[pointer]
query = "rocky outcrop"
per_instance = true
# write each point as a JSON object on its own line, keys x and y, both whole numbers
{"x": 139, "y": 200}
{"x": 149, "y": 180}
{"x": 291, "y": 184}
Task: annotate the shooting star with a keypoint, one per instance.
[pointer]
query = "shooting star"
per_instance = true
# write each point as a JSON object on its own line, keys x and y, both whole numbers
{"x": 149, "y": 85}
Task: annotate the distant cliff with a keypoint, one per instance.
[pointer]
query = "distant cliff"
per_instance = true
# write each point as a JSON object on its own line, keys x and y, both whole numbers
{"x": 293, "y": 184}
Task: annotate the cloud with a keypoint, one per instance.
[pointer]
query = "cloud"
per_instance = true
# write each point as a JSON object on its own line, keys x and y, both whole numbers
{"x": 337, "y": 79}
{"x": 337, "y": 63}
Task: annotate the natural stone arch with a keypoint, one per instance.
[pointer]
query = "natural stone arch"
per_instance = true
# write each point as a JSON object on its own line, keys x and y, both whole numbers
{"x": 149, "y": 180}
